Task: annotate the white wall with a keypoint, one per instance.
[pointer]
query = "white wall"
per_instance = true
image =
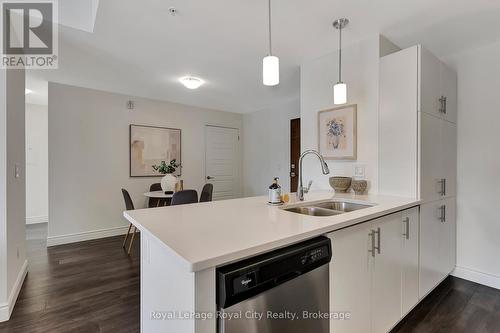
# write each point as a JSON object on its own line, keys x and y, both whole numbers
{"x": 360, "y": 72}
{"x": 266, "y": 147}
{"x": 37, "y": 164}
{"x": 89, "y": 156}
{"x": 478, "y": 190}
{"x": 13, "y": 262}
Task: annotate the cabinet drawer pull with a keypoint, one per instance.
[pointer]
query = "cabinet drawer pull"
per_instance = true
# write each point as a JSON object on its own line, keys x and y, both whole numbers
{"x": 406, "y": 234}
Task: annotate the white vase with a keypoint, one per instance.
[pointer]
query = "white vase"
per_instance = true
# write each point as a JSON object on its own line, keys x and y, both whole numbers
{"x": 168, "y": 183}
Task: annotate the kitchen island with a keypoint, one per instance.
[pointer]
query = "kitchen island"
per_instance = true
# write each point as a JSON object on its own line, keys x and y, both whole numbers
{"x": 181, "y": 247}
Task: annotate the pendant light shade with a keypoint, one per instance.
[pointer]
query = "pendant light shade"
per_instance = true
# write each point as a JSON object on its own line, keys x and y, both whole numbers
{"x": 340, "y": 93}
{"x": 271, "y": 71}
{"x": 340, "y": 88}
{"x": 270, "y": 64}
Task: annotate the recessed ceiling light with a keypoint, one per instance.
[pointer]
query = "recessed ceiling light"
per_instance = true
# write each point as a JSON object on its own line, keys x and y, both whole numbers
{"x": 191, "y": 82}
{"x": 27, "y": 91}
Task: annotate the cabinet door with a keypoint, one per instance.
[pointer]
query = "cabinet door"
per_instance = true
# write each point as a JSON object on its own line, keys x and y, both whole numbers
{"x": 350, "y": 278}
{"x": 448, "y": 238}
{"x": 386, "y": 274}
{"x": 449, "y": 90}
{"x": 449, "y": 156}
{"x": 430, "y": 87}
{"x": 430, "y": 234}
{"x": 409, "y": 267}
{"x": 431, "y": 158}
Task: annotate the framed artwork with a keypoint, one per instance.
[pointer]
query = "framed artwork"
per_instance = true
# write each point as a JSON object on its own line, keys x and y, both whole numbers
{"x": 337, "y": 133}
{"x": 150, "y": 145}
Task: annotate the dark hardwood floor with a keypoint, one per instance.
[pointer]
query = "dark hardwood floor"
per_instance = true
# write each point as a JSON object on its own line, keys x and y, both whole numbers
{"x": 83, "y": 287}
{"x": 94, "y": 287}
{"x": 455, "y": 306}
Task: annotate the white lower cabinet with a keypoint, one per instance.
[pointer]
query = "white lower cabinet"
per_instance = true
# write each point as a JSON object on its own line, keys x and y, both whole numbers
{"x": 374, "y": 273}
{"x": 437, "y": 242}
{"x": 409, "y": 269}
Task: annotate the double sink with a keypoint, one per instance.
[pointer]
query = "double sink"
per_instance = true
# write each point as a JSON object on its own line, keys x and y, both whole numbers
{"x": 328, "y": 208}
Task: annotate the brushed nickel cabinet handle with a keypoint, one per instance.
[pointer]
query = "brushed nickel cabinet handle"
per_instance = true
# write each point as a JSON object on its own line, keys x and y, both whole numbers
{"x": 442, "y": 191}
{"x": 377, "y": 232}
{"x": 372, "y": 236}
{"x": 406, "y": 234}
{"x": 442, "y": 216}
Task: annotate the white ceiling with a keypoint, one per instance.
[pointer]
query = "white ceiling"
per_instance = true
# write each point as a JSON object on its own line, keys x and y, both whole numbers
{"x": 139, "y": 49}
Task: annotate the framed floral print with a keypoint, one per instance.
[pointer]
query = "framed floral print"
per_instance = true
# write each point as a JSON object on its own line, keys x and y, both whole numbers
{"x": 337, "y": 133}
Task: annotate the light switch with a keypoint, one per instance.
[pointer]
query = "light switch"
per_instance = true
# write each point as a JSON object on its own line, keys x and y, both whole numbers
{"x": 18, "y": 171}
{"x": 359, "y": 171}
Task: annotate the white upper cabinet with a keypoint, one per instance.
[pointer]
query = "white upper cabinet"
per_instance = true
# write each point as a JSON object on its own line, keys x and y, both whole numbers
{"x": 430, "y": 83}
{"x": 438, "y": 87}
{"x": 449, "y": 93}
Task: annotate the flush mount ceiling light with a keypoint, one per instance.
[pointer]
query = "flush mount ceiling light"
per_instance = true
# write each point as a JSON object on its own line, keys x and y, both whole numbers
{"x": 191, "y": 82}
{"x": 340, "y": 88}
{"x": 270, "y": 64}
{"x": 27, "y": 91}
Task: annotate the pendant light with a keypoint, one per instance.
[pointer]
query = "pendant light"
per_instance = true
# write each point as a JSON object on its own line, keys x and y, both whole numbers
{"x": 340, "y": 88}
{"x": 270, "y": 64}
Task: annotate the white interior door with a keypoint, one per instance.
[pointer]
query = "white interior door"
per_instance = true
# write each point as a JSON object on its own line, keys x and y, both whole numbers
{"x": 222, "y": 161}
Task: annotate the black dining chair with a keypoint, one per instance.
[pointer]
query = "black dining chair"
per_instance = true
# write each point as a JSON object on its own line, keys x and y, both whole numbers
{"x": 206, "y": 193}
{"x": 129, "y": 205}
{"x": 155, "y": 202}
{"x": 184, "y": 197}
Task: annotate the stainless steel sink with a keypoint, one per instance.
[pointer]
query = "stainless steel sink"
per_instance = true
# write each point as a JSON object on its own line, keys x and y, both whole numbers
{"x": 328, "y": 208}
{"x": 312, "y": 211}
{"x": 342, "y": 206}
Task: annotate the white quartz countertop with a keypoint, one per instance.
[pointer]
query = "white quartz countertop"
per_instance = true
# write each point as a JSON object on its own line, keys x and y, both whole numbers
{"x": 211, "y": 234}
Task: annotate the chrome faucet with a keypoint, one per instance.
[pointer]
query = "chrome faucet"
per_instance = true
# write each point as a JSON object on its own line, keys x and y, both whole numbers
{"x": 324, "y": 167}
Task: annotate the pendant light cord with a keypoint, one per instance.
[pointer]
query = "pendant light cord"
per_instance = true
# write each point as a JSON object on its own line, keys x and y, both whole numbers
{"x": 270, "y": 38}
{"x": 340, "y": 53}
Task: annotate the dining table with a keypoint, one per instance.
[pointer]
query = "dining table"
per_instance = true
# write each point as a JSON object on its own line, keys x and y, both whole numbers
{"x": 163, "y": 198}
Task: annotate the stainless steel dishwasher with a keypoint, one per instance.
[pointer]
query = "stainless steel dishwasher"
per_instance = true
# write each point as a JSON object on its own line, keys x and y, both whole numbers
{"x": 283, "y": 291}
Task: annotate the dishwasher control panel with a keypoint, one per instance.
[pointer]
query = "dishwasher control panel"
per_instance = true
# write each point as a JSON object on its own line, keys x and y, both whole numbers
{"x": 255, "y": 275}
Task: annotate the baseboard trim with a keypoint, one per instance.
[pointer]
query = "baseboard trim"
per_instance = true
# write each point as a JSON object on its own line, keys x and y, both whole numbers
{"x": 486, "y": 279}
{"x": 85, "y": 236}
{"x": 7, "y": 308}
{"x": 37, "y": 219}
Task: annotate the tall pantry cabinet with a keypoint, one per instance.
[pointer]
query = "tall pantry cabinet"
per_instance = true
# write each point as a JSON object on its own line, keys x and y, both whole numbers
{"x": 418, "y": 151}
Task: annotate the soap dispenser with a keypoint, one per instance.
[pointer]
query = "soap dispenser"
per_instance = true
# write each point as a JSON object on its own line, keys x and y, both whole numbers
{"x": 275, "y": 193}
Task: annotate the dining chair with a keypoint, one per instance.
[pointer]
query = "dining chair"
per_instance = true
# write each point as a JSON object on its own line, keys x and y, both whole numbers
{"x": 184, "y": 197}
{"x": 206, "y": 193}
{"x": 129, "y": 205}
{"x": 155, "y": 202}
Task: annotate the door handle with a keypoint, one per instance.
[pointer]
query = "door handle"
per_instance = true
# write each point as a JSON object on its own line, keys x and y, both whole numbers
{"x": 377, "y": 233}
{"x": 210, "y": 177}
{"x": 406, "y": 234}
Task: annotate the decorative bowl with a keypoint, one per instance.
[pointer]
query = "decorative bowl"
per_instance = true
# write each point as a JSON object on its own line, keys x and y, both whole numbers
{"x": 340, "y": 184}
{"x": 359, "y": 186}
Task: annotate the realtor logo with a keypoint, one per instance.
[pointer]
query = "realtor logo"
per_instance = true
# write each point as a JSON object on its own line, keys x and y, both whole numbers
{"x": 29, "y": 34}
